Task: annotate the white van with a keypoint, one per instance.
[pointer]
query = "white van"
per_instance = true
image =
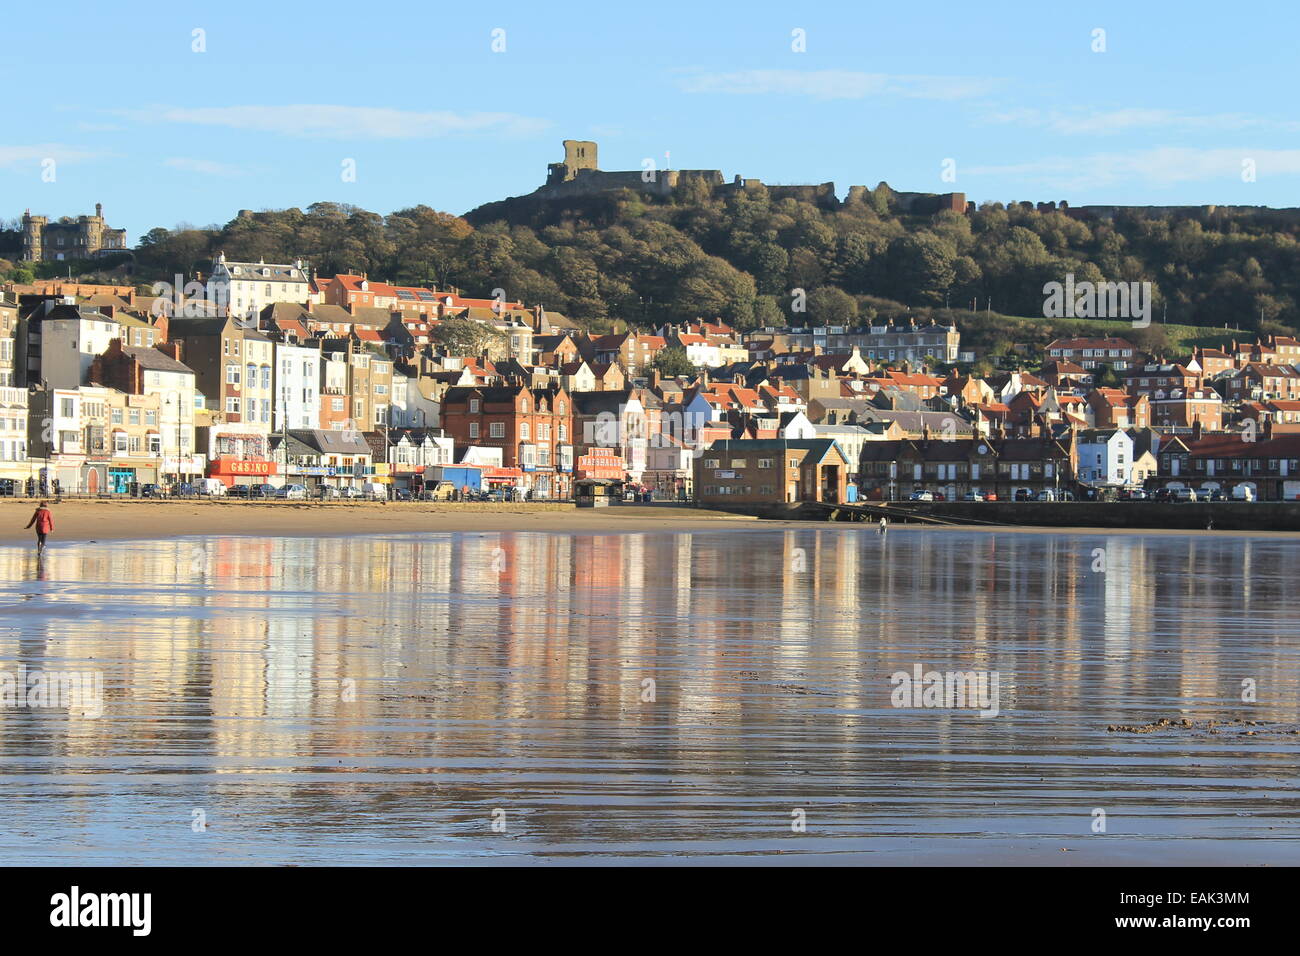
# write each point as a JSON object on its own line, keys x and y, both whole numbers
{"x": 1243, "y": 493}
{"x": 212, "y": 487}
{"x": 374, "y": 491}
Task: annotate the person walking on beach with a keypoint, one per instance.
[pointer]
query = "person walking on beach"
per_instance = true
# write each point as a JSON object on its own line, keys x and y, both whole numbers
{"x": 884, "y": 524}
{"x": 44, "y": 522}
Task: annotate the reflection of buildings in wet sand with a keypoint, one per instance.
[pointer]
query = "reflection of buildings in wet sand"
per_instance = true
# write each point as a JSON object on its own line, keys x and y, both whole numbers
{"x": 87, "y": 611}
{"x": 259, "y": 633}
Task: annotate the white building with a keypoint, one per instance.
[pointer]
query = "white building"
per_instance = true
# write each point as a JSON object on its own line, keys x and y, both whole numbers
{"x": 65, "y": 341}
{"x": 399, "y": 408}
{"x": 245, "y": 287}
{"x": 297, "y": 387}
{"x": 1105, "y": 457}
{"x": 178, "y": 398}
{"x": 13, "y": 434}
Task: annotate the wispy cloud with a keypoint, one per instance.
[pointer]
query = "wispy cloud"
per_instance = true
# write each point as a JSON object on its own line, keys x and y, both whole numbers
{"x": 1161, "y": 166}
{"x": 1094, "y": 122}
{"x": 343, "y": 122}
{"x": 18, "y": 155}
{"x": 838, "y": 84}
{"x": 205, "y": 166}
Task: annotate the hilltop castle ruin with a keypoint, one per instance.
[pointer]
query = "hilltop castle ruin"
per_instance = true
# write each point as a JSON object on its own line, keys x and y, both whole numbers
{"x": 580, "y": 175}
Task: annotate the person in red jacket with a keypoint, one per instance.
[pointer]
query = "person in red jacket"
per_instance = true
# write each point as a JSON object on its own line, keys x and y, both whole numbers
{"x": 44, "y": 521}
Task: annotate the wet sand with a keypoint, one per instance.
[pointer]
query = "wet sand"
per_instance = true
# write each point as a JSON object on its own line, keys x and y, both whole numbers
{"x": 653, "y": 698}
{"x": 83, "y": 520}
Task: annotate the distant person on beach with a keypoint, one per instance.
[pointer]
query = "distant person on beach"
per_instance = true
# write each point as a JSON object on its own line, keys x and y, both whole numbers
{"x": 884, "y": 524}
{"x": 44, "y": 522}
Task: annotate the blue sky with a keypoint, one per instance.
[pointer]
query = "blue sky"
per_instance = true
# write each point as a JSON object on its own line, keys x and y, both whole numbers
{"x": 1012, "y": 92}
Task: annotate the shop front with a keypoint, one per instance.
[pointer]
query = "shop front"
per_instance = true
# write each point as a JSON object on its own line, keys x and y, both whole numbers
{"x": 236, "y": 471}
{"x": 176, "y": 468}
{"x": 312, "y": 477}
{"x": 120, "y": 481}
{"x": 497, "y": 478}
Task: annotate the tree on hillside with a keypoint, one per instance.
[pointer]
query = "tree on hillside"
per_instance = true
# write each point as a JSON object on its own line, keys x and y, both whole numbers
{"x": 672, "y": 362}
{"x": 465, "y": 337}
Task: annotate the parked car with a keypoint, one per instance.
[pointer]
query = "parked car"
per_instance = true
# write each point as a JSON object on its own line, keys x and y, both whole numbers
{"x": 401, "y": 494}
{"x": 972, "y": 496}
{"x": 184, "y": 490}
{"x": 151, "y": 490}
{"x": 1023, "y": 494}
{"x": 238, "y": 491}
{"x": 1215, "y": 495}
{"x": 292, "y": 491}
{"x": 211, "y": 487}
{"x": 1243, "y": 493}
{"x": 1184, "y": 494}
{"x": 1045, "y": 495}
{"x": 1162, "y": 494}
{"x": 990, "y": 496}
{"x": 1133, "y": 494}
{"x": 328, "y": 491}
{"x": 349, "y": 492}
{"x": 921, "y": 496}
{"x": 262, "y": 491}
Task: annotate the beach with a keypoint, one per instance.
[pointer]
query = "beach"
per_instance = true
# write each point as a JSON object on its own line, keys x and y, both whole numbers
{"x": 82, "y": 520}
{"x": 381, "y": 699}
{"x": 85, "y": 520}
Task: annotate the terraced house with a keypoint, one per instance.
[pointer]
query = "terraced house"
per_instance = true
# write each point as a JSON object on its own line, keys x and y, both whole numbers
{"x": 1269, "y": 467}
{"x": 1000, "y": 466}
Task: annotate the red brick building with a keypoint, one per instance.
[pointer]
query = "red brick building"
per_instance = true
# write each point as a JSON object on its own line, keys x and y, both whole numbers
{"x": 533, "y": 427}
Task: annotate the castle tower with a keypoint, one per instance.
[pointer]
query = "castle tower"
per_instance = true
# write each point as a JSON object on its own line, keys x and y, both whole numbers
{"x": 578, "y": 154}
{"x": 33, "y": 236}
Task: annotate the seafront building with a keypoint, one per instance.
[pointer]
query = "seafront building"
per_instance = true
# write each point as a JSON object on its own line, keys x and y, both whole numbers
{"x": 114, "y": 394}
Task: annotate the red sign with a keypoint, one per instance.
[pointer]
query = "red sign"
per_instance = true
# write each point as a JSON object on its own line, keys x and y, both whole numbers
{"x": 236, "y": 466}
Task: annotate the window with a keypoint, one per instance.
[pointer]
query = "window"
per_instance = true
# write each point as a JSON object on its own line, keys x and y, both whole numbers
{"x": 473, "y": 406}
{"x": 473, "y": 429}
{"x": 765, "y": 463}
{"x": 151, "y": 417}
{"x": 232, "y": 374}
{"x": 232, "y": 406}
{"x": 116, "y": 416}
{"x": 497, "y": 429}
{"x": 524, "y": 433}
{"x": 68, "y": 408}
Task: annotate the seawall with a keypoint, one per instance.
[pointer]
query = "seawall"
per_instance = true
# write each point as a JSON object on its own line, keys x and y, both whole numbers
{"x": 1189, "y": 516}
